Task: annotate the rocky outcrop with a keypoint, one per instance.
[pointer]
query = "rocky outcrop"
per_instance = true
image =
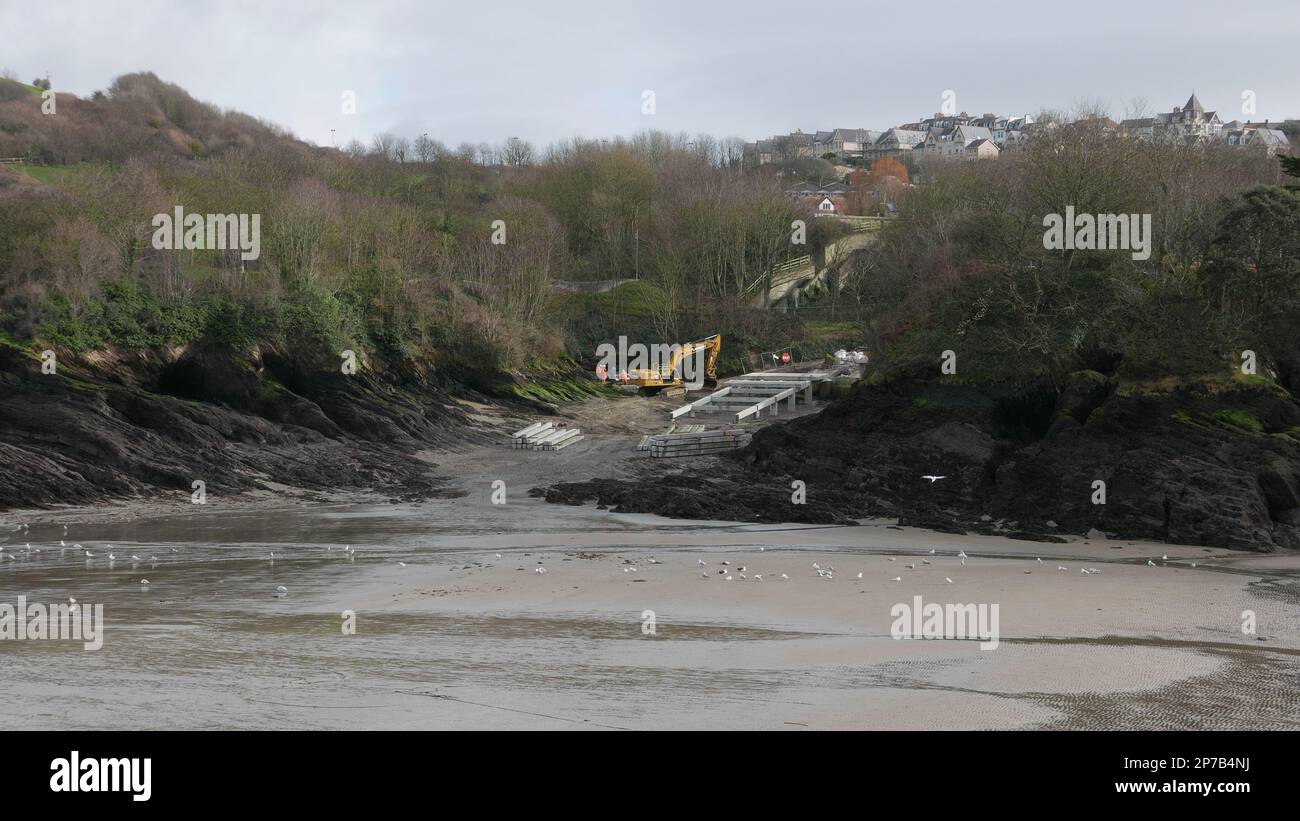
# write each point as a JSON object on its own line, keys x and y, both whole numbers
{"x": 1209, "y": 463}
{"x": 130, "y": 423}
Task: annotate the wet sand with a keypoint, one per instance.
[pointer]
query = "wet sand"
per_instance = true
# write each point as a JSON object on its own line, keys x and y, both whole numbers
{"x": 460, "y": 638}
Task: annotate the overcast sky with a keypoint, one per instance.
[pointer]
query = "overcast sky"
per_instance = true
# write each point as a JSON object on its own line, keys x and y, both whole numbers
{"x": 550, "y": 69}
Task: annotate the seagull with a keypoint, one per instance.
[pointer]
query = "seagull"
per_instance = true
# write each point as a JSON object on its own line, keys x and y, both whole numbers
{"x": 701, "y": 562}
{"x": 784, "y": 576}
{"x": 932, "y": 551}
{"x": 704, "y": 575}
{"x": 653, "y": 560}
{"x": 271, "y": 558}
{"x": 1083, "y": 570}
{"x": 859, "y": 574}
{"x": 758, "y": 577}
{"x": 135, "y": 558}
{"x": 892, "y": 559}
{"x": 61, "y": 543}
{"x": 1040, "y": 560}
{"x": 111, "y": 557}
{"x": 1164, "y": 558}
{"x": 740, "y": 569}
{"x": 1150, "y": 563}
{"x": 897, "y": 579}
{"x": 281, "y": 592}
{"x": 911, "y": 566}
{"x": 925, "y": 561}
{"x": 728, "y": 578}
{"x": 1027, "y": 572}
{"x": 948, "y": 580}
{"x": 934, "y": 479}
{"x": 743, "y": 576}
{"x": 1193, "y": 564}
{"x": 89, "y": 555}
{"x": 541, "y": 571}
{"x": 816, "y": 566}
{"x": 498, "y": 555}
{"x": 401, "y": 564}
{"x": 144, "y": 582}
{"x": 1060, "y": 567}
{"x": 724, "y": 562}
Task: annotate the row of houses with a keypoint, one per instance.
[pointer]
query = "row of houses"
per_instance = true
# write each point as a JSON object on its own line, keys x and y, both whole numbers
{"x": 962, "y": 136}
{"x": 1192, "y": 122}
{"x": 941, "y": 135}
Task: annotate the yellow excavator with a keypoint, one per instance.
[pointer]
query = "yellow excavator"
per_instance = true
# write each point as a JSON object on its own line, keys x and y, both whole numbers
{"x": 651, "y": 381}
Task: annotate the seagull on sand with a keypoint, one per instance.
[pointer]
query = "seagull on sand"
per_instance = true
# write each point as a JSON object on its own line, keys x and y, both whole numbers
{"x": 897, "y": 579}
{"x": 784, "y": 576}
{"x": 933, "y": 479}
{"x": 701, "y": 562}
{"x": 144, "y": 582}
{"x": 89, "y": 555}
{"x": 401, "y": 564}
{"x": 932, "y": 551}
{"x": 1150, "y": 563}
{"x": 859, "y": 574}
{"x": 1060, "y": 567}
{"x": 948, "y": 580}
{"x": 911, "y": 566}
{"x": 541, "y": 571}
{"x": 281, "y": 591}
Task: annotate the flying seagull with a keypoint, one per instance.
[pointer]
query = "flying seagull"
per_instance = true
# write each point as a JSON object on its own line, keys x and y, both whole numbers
{"x": 934, "y": 479}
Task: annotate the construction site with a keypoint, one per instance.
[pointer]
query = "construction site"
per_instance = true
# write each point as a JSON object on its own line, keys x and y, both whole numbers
{"x": 669, "y": 421}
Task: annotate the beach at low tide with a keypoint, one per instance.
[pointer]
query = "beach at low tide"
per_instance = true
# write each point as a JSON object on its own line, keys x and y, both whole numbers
{"x": 454, "y": 628}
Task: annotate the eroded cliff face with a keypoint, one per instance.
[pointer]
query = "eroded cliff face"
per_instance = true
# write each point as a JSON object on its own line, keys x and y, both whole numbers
{"x": 1214, "y": 464}
{"x": 130, "y": 423}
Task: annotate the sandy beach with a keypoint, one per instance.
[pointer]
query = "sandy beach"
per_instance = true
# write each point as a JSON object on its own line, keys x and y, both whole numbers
{"x": 455, "y": 628}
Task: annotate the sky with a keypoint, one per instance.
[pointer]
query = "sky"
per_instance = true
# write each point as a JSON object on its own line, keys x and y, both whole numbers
{"x": 554, "y": 69}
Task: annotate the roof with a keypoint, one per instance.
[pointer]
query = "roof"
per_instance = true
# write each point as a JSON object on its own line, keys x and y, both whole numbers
{"x": 975, "y": 132}
{"x": 903, "y": 136}
{"x": 1194, "y": 104}
{"x": 1271, "y": 136}
{"x": 975, "y": 145}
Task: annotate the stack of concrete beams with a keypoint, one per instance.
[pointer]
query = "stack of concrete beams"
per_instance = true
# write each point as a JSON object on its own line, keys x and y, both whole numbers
{"x": 698, "y": 443}
{"x": 644, "y": 444}
{"x": 544, "y": 436}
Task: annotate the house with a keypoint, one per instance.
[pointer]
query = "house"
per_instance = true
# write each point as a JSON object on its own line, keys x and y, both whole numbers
{"x": 824, "y": 198}
{"x": 982, "y": 149}
{"x": 847, "y": 142}
{"x": 953, "y": 144}
{"x": 895, "y": 141}
{"x": 1256, "y": 135}
{"x": 1191, "y": 122}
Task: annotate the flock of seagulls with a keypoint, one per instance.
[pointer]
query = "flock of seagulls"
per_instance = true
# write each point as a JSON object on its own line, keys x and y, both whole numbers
{"x": 727, "y": 572}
